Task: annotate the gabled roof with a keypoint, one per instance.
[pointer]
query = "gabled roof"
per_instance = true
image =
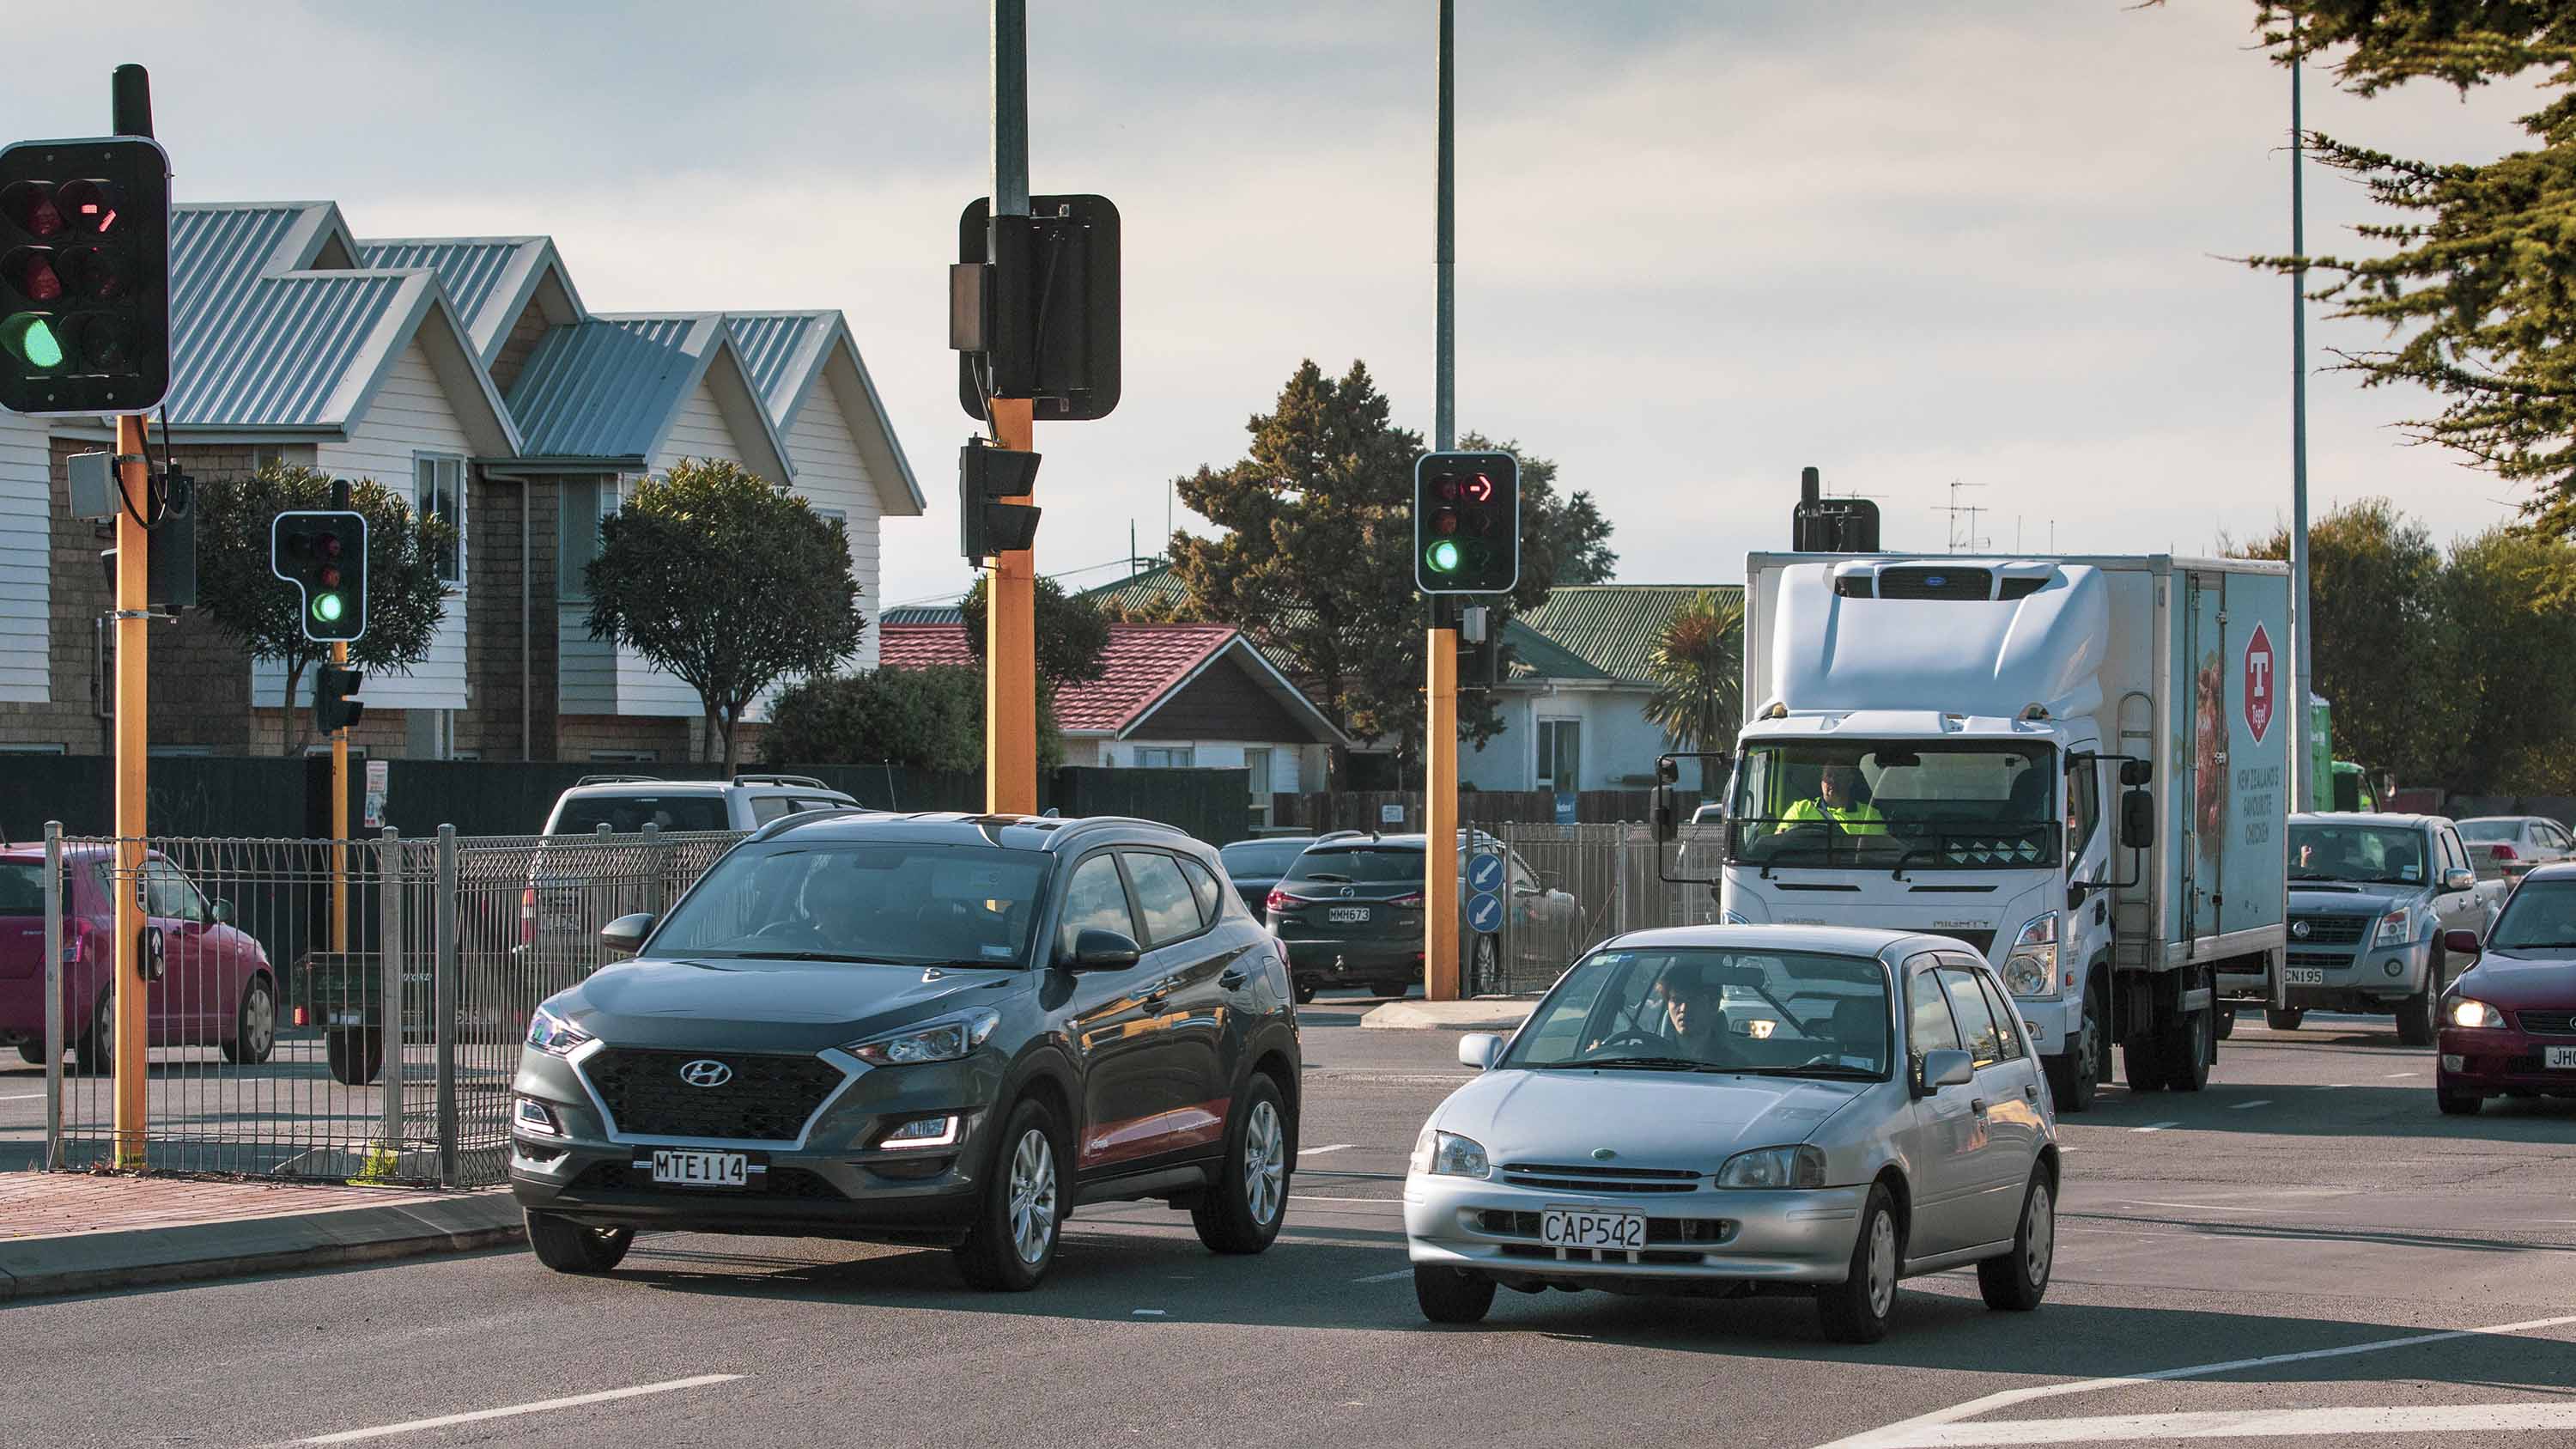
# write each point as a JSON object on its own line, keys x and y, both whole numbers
{"x": 1614, "y": 627}
{"x": 789, "y": 353}
{"x": 921, "y": 614}
{"x": 275, "y": 327}
{"x": 491, "y": 279}
{"x": 1155, "y": 588}
{"x": 1143, "y": 666}
{"x": 607, "y": 390}
{"x": 1536, "y": 656}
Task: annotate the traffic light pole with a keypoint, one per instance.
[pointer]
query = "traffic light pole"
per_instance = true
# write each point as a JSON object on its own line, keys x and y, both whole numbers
{"x": 133, "y": 741}
{"x": 1010, "y": 604}
{"x": 1440, "y": 642}
{"x": 339, "y": 779}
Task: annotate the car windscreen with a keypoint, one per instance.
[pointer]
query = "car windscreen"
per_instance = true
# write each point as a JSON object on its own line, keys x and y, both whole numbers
{"x": 2369, "y": 854}
{"x": 1693, "y": 1008}
{"x": 1910, "y": 804}
{"x": 1359, "y": 864}
{"x": 902, "y": 903}
{"x": 22, "y": 888}
{"x": 2490, "y": 830}
{"x": 2540, "y": 917}
{"x": 1261, "y": 857}
{"x": 584, "y": 814}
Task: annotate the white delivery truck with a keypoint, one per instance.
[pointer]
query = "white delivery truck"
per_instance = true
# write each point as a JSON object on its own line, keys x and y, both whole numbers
{"x": 2076, "y": 766}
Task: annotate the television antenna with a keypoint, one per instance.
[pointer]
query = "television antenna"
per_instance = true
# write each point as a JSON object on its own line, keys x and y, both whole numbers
{"x": 1971, "y": 539}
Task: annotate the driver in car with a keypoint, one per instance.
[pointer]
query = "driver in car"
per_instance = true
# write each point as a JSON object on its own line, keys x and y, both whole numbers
{"x": 1837, "y": 802}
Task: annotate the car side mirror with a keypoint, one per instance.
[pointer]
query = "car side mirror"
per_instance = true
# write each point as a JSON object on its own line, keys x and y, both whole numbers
{"x": 1480, "y": 1049}
{"x": 625, "y": 935}
{"x": 2138, "y": 820}
{"x": 2459, "y": 879}
{"x": 222, "y": 912}
{"x": 2462, "y": 943}
{"x": 1947, "y": 1069}
{"x": 1095, "y": 949}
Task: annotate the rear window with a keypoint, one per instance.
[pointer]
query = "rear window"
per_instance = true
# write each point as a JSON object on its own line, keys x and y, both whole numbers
{"x": 2490, "y": 829}
{"x": 1362, "y": 864}
{"x": 1264, "y": 857}
{"x": 22, "y": 888}
{"x": 625, "y": 814}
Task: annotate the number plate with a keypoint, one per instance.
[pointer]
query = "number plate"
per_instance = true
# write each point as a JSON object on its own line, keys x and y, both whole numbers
{"x": 701, "y": 1169}
{"x": 1341, "y": 915}
{"x": 2304, "y": 975}
{"x": 1576, "y": 1228}
{"x": 2556, "y": 1058}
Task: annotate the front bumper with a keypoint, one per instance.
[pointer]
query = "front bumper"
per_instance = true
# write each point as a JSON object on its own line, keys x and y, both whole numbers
{"x": 1706, "y": 1235}
{"x": 2372, "y": 979}
{"x": 2051, "y": 1023}
{"x": 2501, "y": 1059}
{"x": 830, "y": 1181}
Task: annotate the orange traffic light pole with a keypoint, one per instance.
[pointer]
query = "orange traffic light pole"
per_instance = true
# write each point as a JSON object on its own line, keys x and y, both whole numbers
{"x": 133, "y": 737}
{"x": 1010, "y": 603}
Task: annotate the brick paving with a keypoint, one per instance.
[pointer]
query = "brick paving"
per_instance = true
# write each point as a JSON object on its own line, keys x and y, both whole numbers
{"x": 47, "y": 1204}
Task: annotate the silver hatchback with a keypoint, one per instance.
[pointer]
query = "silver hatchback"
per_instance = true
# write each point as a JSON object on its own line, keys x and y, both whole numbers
{"x": 1740, "y": 1109}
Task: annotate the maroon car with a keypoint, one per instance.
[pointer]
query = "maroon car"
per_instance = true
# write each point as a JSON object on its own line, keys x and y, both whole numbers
{"x": 2509, "y": 1023}
{"x": 216, "y": 987}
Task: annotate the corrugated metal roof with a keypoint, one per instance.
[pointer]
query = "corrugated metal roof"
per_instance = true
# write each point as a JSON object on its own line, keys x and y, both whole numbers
{"x": 908, "y": 614}
{"x": 1613, "y": 627}
{"x": 255, "y": 344}
{"x": 1152, "y": 590}
{"x": 472, "y": 268}
{"x": 1536, "y": 656}
{"x": 605, "y": 389}
{"x": 778, "y": 350}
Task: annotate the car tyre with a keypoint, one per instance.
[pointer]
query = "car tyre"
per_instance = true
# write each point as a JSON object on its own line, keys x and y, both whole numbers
{"x": 1242, "y": 1212}
{"x": 354, "y": 1053}
{"x": 1486, "y": 960}
{"x": 1305, "y": 991}
{"x": 1391, "y": 990}
{"x": 569, "y": 1247}
{"x": 2075, "y": 1075}
{"x": 2457, "y": 1104}
{"x": 1452, "y": 1295}
{"x": 1857, "y": 1309}
{"x": 254, "y": 1025}
{"x": 32, "y": 1053}
{"x": 2015, "y": 1282}
{"x": 2280, "y": 1020}
{"x": 95, "y": 1051}
{"x": 2419, "y": 1016}
{"x": 1020, "y": 1221}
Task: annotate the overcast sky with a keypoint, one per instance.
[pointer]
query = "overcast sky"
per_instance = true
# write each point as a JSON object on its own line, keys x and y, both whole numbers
{"x": 1699, "y": 245}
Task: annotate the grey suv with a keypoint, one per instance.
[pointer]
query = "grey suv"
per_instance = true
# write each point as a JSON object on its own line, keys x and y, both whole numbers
{"x": 945, "y": 1029}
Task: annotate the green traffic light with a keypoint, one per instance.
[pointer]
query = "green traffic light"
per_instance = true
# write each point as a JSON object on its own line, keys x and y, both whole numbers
{"x": 1444, "y": 557}
{"x": 326, "y": 607}
{"x": 31, "y": 336}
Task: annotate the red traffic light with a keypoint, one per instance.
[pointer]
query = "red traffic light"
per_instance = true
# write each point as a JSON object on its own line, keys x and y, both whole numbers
{"x": 91, "y": 273}
{"x": 1478, "y": 489}
{"x": 1444, "y": 521}
{"x": 30, "y": 273}
{"x": 29, "y": 206}
{"x": 86, "y": 207}
{"x": 329, "y": 577}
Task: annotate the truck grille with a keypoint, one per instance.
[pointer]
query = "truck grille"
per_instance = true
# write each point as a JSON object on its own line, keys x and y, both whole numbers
{"x": 2329, "y": 930}
{"x": 2548, "y": 1023}
{"x": 1936, "y": 583}
{"x": 2326, "y": 959}
{"x": 768, "y": 1098}
{"x": 1579, "y": 1178}
{"x": 1977, "y": 941}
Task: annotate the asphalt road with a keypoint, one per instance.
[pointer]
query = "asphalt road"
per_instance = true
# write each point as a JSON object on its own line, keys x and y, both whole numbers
{"x": 2310, "y": 1211}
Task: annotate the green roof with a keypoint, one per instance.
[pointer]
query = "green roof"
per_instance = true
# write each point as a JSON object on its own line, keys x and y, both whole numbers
{"x": 1613, "y": 627}
{"x": 1152, "y": 588}
{"x": 1534, "y": 655}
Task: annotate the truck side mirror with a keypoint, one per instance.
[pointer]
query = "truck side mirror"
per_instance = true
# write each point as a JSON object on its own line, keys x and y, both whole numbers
{"x": 1664, "y": 829}
{"x": 2135, "y": 773}
{"x": 2137, "y": 818}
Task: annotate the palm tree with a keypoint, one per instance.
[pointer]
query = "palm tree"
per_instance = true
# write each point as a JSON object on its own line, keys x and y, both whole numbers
{"x": 1698, "y": 669}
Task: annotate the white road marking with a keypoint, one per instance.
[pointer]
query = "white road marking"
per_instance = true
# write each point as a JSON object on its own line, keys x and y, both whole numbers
{"x": 2250, "y": 1106}
{"x": 1320, "y": 1151}
{"x": 22, "y": 1097}
{"x": 2405, "y": 1074}
{"x": 1896, "y": 1436}
{"x": 2155, "y": 1127}
{"x": 413, "y": 1426}
{"x": 1148, "y": 1313}
{"x": 2252, "y": 1424}
{"x": 2198, "y": 1207}
{"x": 1404, "y": 1272}
{"x": 1372, "y": 1201}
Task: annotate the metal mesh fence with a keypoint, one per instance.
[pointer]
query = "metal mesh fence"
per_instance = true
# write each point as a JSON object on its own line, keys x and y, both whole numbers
{"x": 346, "y": 1010}
{"x": 1586, "y": 883}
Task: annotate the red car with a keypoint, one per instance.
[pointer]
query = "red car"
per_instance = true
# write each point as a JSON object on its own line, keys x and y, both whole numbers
{"x": 2509, "y": 1023}
{"x": 216, "y": 987}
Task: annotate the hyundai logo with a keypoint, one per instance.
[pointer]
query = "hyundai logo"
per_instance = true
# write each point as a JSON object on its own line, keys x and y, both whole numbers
{"x": 705, "y": 1072}
{"x": 2299, "y": 929}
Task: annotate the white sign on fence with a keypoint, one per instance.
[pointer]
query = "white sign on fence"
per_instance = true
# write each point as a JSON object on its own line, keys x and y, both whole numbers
{"x": 1390, "y": 815}
{"x": 379, "y": 773}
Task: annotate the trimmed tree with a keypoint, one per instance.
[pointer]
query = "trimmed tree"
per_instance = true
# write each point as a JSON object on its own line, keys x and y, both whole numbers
{"x": 263, "y": 613}
{"x": 918, "y": 719}
{"x": 1073, "y": 637}
{"x": 1698, "y": 669}
{"x": 728, "y": 581}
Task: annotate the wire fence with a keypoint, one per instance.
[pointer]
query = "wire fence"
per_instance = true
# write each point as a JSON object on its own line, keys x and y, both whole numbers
{"x": 341, "y": 1010}
{"x": 1571, "y": 887}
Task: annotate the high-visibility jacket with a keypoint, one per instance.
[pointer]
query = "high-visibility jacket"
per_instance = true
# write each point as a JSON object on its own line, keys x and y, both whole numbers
{"x": 1858, "y": 818}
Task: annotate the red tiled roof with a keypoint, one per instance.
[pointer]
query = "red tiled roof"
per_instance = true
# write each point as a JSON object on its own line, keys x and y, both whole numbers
{"x": 1143, "y": 663}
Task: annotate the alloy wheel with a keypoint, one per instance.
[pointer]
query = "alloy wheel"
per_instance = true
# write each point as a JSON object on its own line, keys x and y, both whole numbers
{"x": 1032, "y": 1196}
{"x": 1882, "y": 1264}
{"x": 1265, "y": 1162}
{"x": 2039, "y": 1234}
{"x": 259, "y": 1024}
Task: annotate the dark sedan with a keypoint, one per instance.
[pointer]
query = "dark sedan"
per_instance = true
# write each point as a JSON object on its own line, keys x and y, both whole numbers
{"x": 2509, "y": 1023}
{"x": 1257, "y": 865}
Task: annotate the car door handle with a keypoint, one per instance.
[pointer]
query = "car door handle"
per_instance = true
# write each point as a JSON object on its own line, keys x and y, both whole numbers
{"x": 1161, "y": 989}
{"x": 1232, "y": 978}
{"x": 2030, "y": 1094}
{"x": 1977, "y": 1105}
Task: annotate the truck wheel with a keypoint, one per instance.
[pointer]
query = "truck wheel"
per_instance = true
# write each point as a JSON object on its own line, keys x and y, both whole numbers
{"x": 2144, "y": 1058}
{"x": 2226, "y": 1021}
{"x": 2279, "y": 1020}
{"x": 1305, "y": 992}
{"x": 2190, "y": 1046}
{"x": 2075, "y": 1076}
{"x": 355, "y": 1054}
{"x": 2418, "y": 1016}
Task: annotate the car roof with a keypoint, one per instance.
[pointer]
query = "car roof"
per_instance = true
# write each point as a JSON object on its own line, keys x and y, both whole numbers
{"x": 1415, "y": 841}
{"x": 1845, "y": 940}
{"x": 2365, "y": 817}
{"x": 958, "y": 827}
{"x": 642, "y": 786}
{"x": 1269, "y": 840}
{"x": 2555, "y": 870}
{"x": 2505, "y": 819}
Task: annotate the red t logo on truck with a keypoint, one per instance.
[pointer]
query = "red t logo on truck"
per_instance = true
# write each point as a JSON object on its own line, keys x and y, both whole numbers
{"x": 2258, "y": 683}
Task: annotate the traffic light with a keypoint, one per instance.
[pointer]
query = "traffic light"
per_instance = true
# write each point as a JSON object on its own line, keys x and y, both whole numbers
{"x": 84, "y": 276}
{"x": 170, "y": 567}
{"x": 1467, "y": 523}
{"x": 333, "y": 709}
{"x": 323, "y": 552}
{"x": 985, "y": 473}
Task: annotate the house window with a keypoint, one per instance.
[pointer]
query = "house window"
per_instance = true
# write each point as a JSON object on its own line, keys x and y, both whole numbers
{"x": 1165, "y": 757}
{"x": 624, "y": 757}
{"x": 1560, "y": 754}
{"x": 1256, "y": 764}
{"x": 586, "y": 501}
{"x": 438, "y": 490}
{"x": 267, "y": 457}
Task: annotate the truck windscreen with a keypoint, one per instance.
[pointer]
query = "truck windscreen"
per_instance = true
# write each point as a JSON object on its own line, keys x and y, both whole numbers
{"x": 1909, "y": 805}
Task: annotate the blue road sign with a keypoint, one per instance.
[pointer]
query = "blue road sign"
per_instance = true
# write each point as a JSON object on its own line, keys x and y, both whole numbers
{"x": 1485, "y": 873}
{"x": 1485, "y": 913}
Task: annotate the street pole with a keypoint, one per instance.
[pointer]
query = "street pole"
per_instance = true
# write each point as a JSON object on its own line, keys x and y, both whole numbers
{"x": 1010, "y": 638}
{"x": 131, "y": 115}
{"x": 1440, "y": 642}
{"x": 2302, "y": 763}
{"x": 339, "y": 779}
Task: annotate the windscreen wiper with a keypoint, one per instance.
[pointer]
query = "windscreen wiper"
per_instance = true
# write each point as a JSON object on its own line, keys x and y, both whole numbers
{"x": 1655, "y": 1064}
{"x": 1835, "y": 1070}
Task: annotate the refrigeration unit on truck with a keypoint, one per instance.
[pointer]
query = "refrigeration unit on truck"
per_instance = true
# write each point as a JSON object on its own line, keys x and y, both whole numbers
{"x": 2076, "y": 766}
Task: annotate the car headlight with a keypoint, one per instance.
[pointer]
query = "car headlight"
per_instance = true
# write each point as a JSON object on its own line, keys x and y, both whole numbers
{"x": 944, "y": 1040}
{"x": 2031, "y": 969}
{"x": 553, "y": 1035}
{"x": 1774, "y": 1167}
{"x": 1446, "y": 1154}
{"x": 2469, "y": 1012}
{"x": 2394, "y": 928}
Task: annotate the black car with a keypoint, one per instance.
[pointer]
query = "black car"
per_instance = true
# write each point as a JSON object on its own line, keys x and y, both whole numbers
{"x": 1350, "y": 913}
{"x": 1257, "y": 865}
{"x": 942, "y": 1029}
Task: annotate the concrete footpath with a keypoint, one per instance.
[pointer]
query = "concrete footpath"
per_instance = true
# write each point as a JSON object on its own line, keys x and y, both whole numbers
{"x": 70, "y": 1232}
{"x": 1483, "y": 1013}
